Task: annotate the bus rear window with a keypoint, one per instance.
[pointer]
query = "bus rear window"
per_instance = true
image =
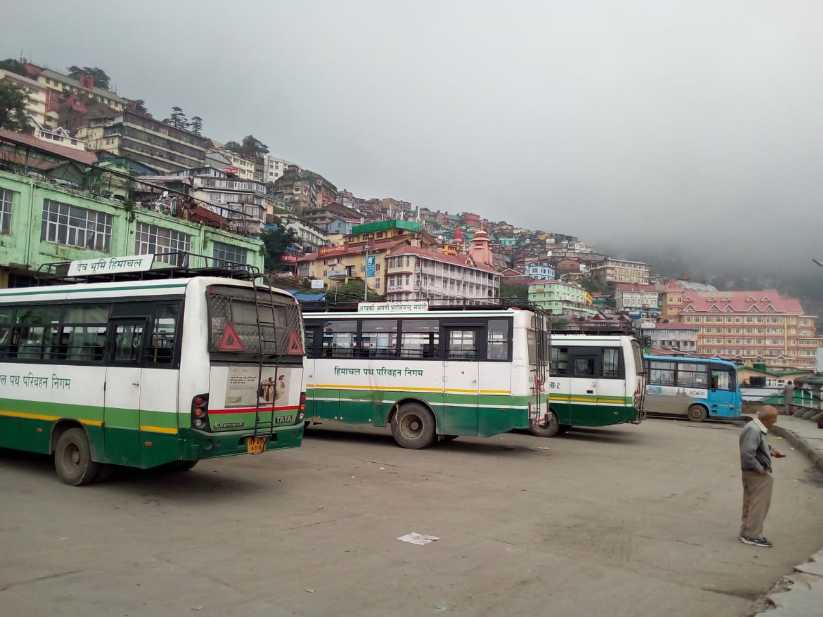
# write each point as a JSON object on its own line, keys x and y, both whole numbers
{"x": 240, "y": 327}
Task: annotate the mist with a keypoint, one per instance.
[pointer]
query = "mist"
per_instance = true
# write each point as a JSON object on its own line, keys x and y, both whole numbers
{"x": 655, "y": 129}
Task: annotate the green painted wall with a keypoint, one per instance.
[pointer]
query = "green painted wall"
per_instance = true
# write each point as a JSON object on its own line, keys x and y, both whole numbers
{"x": 23, "y": 248}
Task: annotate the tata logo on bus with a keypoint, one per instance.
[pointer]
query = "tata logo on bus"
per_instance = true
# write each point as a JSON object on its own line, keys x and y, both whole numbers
{"x": 230, "y": 341}
{"x": 392, "y": 307}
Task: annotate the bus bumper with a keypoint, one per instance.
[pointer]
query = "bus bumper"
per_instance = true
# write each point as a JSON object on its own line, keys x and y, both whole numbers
{"x": 200, "y": 444}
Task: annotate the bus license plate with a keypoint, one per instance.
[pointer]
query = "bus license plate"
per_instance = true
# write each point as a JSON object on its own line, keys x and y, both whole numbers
{"x": 256, "y": 445}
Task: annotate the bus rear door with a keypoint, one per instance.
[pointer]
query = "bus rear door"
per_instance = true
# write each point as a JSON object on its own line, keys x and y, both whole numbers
{"x": 463, "y": 344}
{"x": 123, "y": 384}
{"x": 586, "y": 368}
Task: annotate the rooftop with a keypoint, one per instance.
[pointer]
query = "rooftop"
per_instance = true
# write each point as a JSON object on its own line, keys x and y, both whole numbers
{"x": 72, "y": 154}
{"x": 457, "y": 260}
{"x": 376, "y": 226}
{"x": 759, "y": 301}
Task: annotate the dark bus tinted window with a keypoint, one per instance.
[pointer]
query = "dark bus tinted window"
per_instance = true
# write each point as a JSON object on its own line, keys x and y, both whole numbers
{"x": 611, "y": 363}
{"x": 339, "y": 338}
{"x": 497, "y": 345}
{"x": 559, "y": 361}
{"x": 378, "y": 338}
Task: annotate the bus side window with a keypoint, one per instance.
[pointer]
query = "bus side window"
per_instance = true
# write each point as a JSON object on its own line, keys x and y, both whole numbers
{"x": 559, "y": 364}
{"x": 339, "y": 338}
{"x": 310, "y": 335}
{"x": 661, "y": 373}
{"x": 36, "y": 329}
{"x": 83, "y": 333}
{"x": 420, "y": 339}
{"x": 497, "y": 346}
{"x": 612, "y": 367}
{"x": 378, "y": 338}
{"x": 6, "y": 330}
{"x": 463, "y": 344}
{"x": 691, "y": 375}
{"x": 163, "y": 340}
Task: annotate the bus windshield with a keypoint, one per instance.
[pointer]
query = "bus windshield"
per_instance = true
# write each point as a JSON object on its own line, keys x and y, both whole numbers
{"x": 241, "y": 329}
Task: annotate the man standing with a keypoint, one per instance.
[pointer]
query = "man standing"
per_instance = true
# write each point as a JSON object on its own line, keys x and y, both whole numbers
{"x": 756, "y": 463}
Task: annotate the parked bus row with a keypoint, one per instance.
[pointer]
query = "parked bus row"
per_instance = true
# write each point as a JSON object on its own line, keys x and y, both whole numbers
{"x": 166, "y": 366}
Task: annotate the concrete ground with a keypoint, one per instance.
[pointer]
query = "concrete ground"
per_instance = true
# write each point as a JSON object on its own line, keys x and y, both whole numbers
{"x": 627, "y": 521}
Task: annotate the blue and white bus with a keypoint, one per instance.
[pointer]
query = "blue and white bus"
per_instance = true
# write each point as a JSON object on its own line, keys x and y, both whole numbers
{"x": 698, "y": 388}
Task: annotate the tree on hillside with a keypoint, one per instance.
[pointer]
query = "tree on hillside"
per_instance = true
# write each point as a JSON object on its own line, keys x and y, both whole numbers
{"x": 13, "y": 66}
{"x": 101, "y": 78}
{"x": 275, "y": 242}
{"x": 250, "y": 148}
{"x": 13, "y": 114}
{"x": 138, "y": 106}
{"x": 178, "y": 118}
{"x": 196, "y": 125}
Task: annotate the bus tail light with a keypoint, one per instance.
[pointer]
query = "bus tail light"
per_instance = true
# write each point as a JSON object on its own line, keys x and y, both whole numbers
{"x": 301, "y": 409}
{"x": 200, "y": 412}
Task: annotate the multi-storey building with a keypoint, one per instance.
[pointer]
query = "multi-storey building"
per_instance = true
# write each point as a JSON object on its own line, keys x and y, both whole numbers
{"x": 671, "y": 296}
{"x": 63, "y": 86}
{"x": 37, "y": 106}
{"x": 614, "y": 270}
{"x": 307, "y": 236}
{"x": 760, "y": 325}
{"x": 239, "y": 165}
{"x": 537, "y": 269}
{"x": 273, "y": 169}
{"x": 146, "y": 140}
{"x": 637, "y": 300}
{"x": 673, "y": 336}
{"x": 423, "y": 274}
{"x": 43, "y": 222}
{"x": 561, "y": 298}
{"x": 334, "y": 219}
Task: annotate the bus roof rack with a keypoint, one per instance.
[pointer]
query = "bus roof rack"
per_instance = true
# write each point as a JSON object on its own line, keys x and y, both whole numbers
{"x": 350, "y": 305}
{"x": 594, "y": 327}
{"x": 167, "y": 265}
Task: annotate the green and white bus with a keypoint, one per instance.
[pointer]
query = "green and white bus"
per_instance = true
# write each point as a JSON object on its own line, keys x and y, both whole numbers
{"x": 427, "y": 373}
{"x": 144, "y": 373}
{"x": 596, "y": 380}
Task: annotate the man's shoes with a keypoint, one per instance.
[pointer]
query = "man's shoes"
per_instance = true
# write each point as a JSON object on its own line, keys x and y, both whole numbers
{"x": 761, "y": 542}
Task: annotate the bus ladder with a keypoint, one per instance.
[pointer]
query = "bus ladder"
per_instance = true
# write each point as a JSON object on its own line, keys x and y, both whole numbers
{"x": 262, "y": 342}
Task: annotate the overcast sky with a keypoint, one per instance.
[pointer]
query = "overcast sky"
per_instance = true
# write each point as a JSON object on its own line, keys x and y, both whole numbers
{"x": 695, "y": 124}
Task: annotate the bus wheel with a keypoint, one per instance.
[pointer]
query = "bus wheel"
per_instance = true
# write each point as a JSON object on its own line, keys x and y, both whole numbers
{"x": 72, "y": 458}
{"x": 413, "y": 426}
{"x": 547, "y": 426}
{"x": 697, "y": 413}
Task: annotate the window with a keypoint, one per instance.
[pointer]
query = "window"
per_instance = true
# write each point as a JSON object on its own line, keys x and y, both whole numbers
{"x": 128, "y": 342}
{"x": 463, "y": 345}
{"x": 723, "y": 379}
{"x": 152, "y": 239}
{"x": 559, "y": 361}
{"x": 661, "y": 373}
{"x": 497, "y": 346}
{"x": 36, "y": 329}
{"x": 420, "y": 339}
{"x": 163, "y": 341}
{"x": 584, "y": 367}
{"x": 228, "y": 252}
{"x": 691, "y": 375}
{"x": 83, "y": 333}
{"x": 611, "y": 363}
{"x": 338, "y": 339}
{"x": 5, "y": 211}
{"x": 73, "y": 226}
{"x": 378, "y": 338}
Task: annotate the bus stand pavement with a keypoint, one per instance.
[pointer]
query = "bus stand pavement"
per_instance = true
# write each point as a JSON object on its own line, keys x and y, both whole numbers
{"x": 799, "y": 594}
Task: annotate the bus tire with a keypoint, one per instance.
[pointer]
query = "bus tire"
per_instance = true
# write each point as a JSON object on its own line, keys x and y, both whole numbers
{"x": 548, "y": 427}
{"x": 72, "y": 458}
{"x": 697, "y": 413}
{"x": 413, "y": 426}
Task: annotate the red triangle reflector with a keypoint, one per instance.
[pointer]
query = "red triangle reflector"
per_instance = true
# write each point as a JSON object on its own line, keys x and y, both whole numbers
{"x": 230, "y": 341}
{"x": 294, "y": 345}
